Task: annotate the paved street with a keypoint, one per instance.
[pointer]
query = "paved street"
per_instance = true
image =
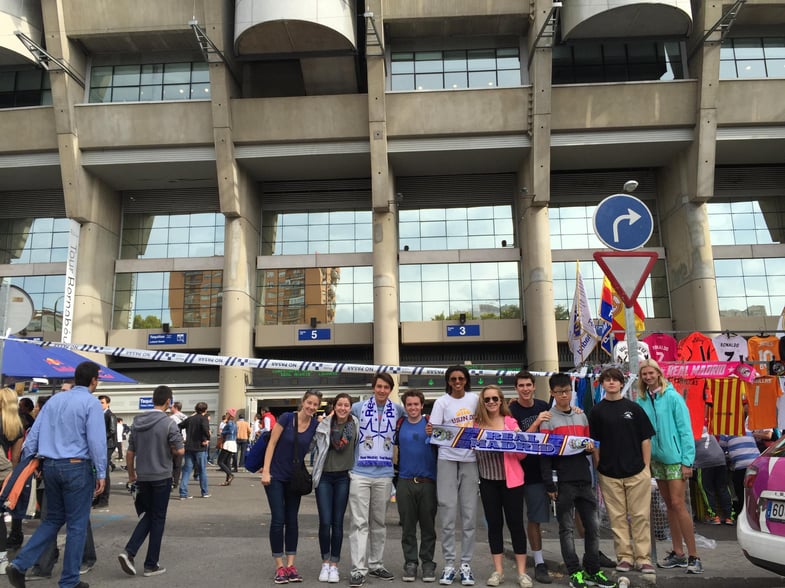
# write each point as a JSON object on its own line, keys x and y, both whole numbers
{"x": 222, "y": 541}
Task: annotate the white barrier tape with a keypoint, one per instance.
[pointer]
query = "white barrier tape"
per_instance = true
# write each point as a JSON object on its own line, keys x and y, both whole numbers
{"x": 276, "y": 364}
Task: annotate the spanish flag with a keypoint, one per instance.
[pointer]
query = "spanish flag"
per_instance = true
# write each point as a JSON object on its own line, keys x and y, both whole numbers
{"x": 611, "y": 300}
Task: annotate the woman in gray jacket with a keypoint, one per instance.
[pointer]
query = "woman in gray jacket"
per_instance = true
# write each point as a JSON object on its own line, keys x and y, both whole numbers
{"x": 336, "y": 439}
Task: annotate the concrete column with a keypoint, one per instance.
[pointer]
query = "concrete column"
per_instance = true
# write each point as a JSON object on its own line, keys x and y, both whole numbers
{"x": 87, "y": 199}
{"x": 534, "y": 183}
{"x": 684, "y": 186}
{"x": 386, "y": 316}
{"x": 241, "y": 206}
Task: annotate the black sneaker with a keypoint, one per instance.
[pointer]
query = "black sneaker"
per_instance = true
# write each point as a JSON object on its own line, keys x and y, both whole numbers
{"x": 541, "y": 574}
{"x": 357, "y": 579}
{"x": 606, "y": 562}
{"x": 127, "y": 563}
{"x": 35, "y": 573}
{"x": 409, "y": 572}
{"x": 382, "y": 573}
{"x": 599, "y": 579}
{"x": 15, "y": 576}
{"x": 429, "y": 572}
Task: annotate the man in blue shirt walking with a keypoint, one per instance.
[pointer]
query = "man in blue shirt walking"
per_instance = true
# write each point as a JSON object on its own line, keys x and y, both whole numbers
{"x": 70, "y": 436}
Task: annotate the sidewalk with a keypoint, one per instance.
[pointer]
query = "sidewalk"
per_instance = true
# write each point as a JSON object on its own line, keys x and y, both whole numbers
{"x": 223, "y": 541}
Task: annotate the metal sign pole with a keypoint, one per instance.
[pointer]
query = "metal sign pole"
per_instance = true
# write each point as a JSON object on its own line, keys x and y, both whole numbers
{"x": 632, "y": 338}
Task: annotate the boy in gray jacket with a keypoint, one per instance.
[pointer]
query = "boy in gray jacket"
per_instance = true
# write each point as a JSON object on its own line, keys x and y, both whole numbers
{"x": 154, "y": 439}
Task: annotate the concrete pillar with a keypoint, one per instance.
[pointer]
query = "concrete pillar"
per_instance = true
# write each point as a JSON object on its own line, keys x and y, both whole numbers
{"x": 87, "y": 199}
{"x": 241, "y": 206}
{"x": 534, "y": 183}
{"x": 684, "y": 186}
{"x": 386, "y": 316}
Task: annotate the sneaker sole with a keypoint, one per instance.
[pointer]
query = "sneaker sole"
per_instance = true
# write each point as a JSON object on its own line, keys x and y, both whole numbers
{"x": 126, "y": 565}
{"x": 154, "y": 573}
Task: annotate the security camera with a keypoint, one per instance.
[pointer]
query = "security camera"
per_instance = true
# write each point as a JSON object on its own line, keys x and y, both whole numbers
{"x": 630, "y": 186}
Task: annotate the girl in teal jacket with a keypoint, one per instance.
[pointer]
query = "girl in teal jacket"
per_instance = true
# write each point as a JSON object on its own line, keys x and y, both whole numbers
{"x": 672, "y": 456}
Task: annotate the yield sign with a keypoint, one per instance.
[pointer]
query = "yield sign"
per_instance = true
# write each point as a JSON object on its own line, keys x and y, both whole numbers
{"x": 627, "y": 271}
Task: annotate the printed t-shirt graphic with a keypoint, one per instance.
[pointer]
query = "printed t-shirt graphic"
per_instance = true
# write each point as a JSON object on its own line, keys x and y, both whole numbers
{"x": 730, "y": 348}
{"x": 662, "y": 347}
{"x": 726, "y": 416}
{"x": 695, "y": 347}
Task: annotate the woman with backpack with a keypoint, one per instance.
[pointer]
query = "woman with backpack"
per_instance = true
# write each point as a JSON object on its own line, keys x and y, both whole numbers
{"x": 11, "y": 440}
{"x": 293, "y": 428}
{"x": 336, "y": 439}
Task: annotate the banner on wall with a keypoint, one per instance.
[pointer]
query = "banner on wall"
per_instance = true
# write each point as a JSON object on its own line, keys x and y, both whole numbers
{"x": 69, "y": 292}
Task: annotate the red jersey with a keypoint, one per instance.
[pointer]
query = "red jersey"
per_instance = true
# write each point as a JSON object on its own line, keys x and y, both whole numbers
{"x": 661, "y": 347}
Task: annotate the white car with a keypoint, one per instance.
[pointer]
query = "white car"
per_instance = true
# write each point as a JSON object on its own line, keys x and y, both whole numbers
{"x": 760, "y": 529}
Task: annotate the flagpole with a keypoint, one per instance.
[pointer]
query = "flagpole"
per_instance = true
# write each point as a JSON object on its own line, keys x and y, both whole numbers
{"x": 632, "y": 338}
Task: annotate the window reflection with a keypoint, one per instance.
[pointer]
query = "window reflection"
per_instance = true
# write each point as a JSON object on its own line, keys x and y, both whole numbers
{"x": 185, "y": 299}
{"x": 26, "y": 87}
{"x": 653, "y": 298}
{"x": 330, "y": 295}
{"x": 46, "y": 292}
{"x": 445, "y": 291}
{"x": 149, "y": 82}
{"x": 753, "y": 57}
{"x": 148, "y": 236}
{"x": 455, "y": 69}
{"x": 750, "y": 287}
{"x": 572, "y": 227}
{"x": 747, "y": 222}
{"x": 455, "y": 228}
{"x": 29, "y": 240}
{"x": 297, "y": 233}
{"x": 617, "y": 62}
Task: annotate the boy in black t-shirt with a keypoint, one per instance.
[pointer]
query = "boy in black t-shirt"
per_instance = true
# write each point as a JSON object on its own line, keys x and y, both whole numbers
{"x": 624, "y": 433}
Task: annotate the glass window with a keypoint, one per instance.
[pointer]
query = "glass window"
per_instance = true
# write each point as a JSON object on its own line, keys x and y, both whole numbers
{"x": 467, "y": 228}
{"x": 185, "y": 299}
{"x": 590, "y": 62}
{"x": 46, "y": 292}
{"x": 438, "y": 70}
{"x": 331, "y": 295}
{"x": 149, "y": 236}
{"x": 750, "y": 287}
{"x": 150, "y": 82}
{"x": 653, "y": 298}
{"x": 285, "y": 233}
{"x": 572, "y": 227}
{"x": 445, "y": 291}
{"x": 28, "y": 240}
{"x": 26, "y": 87}
{"x": 748, "y": 222}
{"x": 752, "y": 58}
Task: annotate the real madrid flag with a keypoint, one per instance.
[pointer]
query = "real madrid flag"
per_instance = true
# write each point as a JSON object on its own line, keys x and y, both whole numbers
{"x": 582, "y": 336}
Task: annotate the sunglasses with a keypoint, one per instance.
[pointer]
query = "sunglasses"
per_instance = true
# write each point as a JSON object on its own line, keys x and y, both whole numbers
{"x": 461, "y": 379}
{"x": 489, "y": 399}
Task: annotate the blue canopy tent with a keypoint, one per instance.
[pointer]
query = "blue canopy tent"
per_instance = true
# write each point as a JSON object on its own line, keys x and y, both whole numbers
{"x": 28, "y": 360}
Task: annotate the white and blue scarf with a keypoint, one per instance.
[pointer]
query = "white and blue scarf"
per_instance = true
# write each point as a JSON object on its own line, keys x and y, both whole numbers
{"x": 376, "y": 434}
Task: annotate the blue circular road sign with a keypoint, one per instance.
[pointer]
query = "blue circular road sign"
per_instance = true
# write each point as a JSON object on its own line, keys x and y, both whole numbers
{"x": 622, "y": 222}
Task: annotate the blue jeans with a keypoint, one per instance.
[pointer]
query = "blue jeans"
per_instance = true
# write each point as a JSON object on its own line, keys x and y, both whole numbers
{"x": 69, "y": 494}
{"x": 332, "y": 497}
{"x": 284, "y": 507}
{"x": 151, "y": 504}
{"x": 198, "y": 460}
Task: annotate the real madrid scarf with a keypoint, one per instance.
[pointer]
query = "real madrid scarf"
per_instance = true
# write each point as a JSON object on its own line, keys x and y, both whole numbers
{"x": 518, "y": 442}
{"x": 376, "y": 434}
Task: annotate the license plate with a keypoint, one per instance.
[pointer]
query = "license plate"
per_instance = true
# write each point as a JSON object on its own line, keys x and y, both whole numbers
{"x": 775, "y": 511}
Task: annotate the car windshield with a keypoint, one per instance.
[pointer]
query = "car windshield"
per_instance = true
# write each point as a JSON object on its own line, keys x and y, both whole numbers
{"x": 778, "y": 449}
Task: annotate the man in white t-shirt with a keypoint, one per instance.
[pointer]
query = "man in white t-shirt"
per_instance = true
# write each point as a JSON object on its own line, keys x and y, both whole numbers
{"x": 457, "y": 478}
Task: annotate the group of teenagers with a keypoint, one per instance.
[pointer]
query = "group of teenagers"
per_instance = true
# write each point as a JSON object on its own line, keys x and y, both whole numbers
{"x": 356, "y": 445}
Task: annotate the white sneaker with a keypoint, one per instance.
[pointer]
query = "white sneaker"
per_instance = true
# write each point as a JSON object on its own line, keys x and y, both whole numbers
{"x": 3, "y": 562}
{"x": 324, "y": 575}
{"x": 334, "y": 577}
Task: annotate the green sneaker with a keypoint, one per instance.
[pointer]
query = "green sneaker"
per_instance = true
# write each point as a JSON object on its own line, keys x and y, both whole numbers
{"x": 578, "y": 579}
{"x": 599, "y": 579}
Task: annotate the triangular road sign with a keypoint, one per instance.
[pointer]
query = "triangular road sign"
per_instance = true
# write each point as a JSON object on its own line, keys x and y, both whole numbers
{"x": 627, "y": 271}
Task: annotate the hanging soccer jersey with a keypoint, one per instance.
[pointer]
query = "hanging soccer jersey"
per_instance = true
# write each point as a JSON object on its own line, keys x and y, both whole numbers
{"x": 730, "y": 348}
{"x": 726, "y": 416}
{"x": 762, "y": 402}
{"x": 662, "y": 347}
{"x": 763, "y": 350}
{"x": 695, "y": 347}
